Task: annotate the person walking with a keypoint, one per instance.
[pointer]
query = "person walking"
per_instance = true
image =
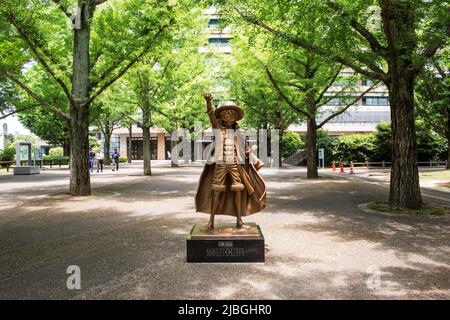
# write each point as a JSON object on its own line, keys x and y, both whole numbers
{"x": 99, "y": 156}
{"x": 91, "y": 160}
{"x": 115, "y": 158}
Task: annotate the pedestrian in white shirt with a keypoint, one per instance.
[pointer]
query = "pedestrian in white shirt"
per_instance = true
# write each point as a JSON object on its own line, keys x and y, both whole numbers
{"x": 99, "y": 156}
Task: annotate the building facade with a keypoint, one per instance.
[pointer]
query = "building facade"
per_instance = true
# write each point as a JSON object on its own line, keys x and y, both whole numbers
{"x": 362, "y": 117}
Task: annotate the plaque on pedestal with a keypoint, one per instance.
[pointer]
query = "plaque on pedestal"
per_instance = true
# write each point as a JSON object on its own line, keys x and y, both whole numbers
{"x": 226, "y": 243}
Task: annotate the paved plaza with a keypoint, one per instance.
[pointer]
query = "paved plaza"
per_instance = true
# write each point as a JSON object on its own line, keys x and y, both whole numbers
{"x": 129, "y": 240}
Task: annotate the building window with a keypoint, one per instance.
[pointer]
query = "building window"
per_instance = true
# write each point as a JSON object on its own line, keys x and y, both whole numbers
{"x": 375, "y": 101}
{"x": 114, "y": 143}
{"x": 219, "y": 42}
{"x": 340, "y": 101}
{"x": 367, "y": 83}
{"x": 213, "y": 23}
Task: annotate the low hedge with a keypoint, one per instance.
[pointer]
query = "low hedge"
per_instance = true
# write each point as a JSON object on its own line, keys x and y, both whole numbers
{"x": 56, "y": 159}
{"x": 65, "y": 160}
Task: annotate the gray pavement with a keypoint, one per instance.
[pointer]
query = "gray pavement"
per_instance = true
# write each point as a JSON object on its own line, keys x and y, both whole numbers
{"x": 128, "y": 239}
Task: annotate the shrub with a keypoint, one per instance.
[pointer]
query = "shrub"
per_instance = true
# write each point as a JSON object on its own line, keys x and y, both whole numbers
{"x": 8, "y": 154}
{"x": 291, "y": 142}
{"x": 123, "y": 159}
{"x": 56, "y": 152}
{"x": 60, "y": 160}
{"x": 430, "y": 146}
{"x": 354, "y": 147}
{"x": 327, "y": 144}
{"x": 382, "y": 142}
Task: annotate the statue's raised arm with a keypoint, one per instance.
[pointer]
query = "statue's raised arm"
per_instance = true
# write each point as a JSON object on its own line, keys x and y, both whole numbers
{"x": 210, "y": 110}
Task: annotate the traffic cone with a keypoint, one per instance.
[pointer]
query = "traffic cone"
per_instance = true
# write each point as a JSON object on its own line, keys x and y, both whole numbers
{"x": 333, "y": 166}
{"x": 342, "y": 168}
{"x": 351, "y": 167}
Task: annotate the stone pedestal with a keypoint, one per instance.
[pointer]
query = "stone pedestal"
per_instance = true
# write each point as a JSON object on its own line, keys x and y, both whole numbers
{"x": 26, "y": 170}
{"x": 225, "y": 243}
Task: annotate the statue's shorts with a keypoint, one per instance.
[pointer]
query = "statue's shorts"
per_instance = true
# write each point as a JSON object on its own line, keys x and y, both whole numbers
{"x": 220, "y": 174}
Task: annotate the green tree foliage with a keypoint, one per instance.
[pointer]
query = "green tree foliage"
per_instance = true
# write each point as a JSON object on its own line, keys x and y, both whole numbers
{"x": 93, "y": 143}
{"x": 382, "y": 142}
{"x": 377, "y": 146}
{"x": 433, "y": 97}
{"x": 355, "y": 147}
{"x": 166, "y": 88}
{"x": 388, "y": 40}
{"x": 304, "y": 82}
{"x": 56, "y": 152}
{"x": 291, "y": 143}
{"x": 83, "y": 56}
{"x": 40, "y": 120}
{"x": 8, "y": 154}
{"x": 430, "y": 146}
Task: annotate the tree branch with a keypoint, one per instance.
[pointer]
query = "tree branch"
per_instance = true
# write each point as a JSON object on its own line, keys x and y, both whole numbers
{"x": 385, "y": 9}
{"x": 329, "y": 98}
{"x": 358, "y": 27}
{"x": 3, "y": 116}
{"x": 330, "y": 83}
{"x": 63, "y": 9}
{"x": 36, "y": 97}
{"x": 113, "y": 66}
{"x": 97, "y": 2}
{"x": 298, "y": 86}
{"x": 127, "y": 66}
{"x": 34, "y": 45}
{"x": 284, "y": 96}
{"x": 303, "y": 44}
{"x": 166, "y": 67}
{"x": 94, "y": 60}
{"x": 38, "y": 56}
{"x": 342, "y": 110}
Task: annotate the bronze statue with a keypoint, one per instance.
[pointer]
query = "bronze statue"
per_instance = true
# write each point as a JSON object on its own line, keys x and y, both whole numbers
{"x": 230, "y": 183}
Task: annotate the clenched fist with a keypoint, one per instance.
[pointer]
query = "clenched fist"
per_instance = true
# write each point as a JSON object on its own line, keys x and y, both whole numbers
{"x": 208, "y": 96}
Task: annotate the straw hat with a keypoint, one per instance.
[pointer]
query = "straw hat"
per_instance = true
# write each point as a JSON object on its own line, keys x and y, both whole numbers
{"x": 229, "y": 105}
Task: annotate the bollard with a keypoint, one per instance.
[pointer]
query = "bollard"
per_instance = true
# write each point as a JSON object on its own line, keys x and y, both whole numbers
{"x": 333, "y": 166}
{"x": 351, "y": 167}
{"x": 342, "y": 168}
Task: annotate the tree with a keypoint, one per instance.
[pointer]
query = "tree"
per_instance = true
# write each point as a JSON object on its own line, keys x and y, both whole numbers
{"x": 38, "y": 119}
{"x": 112, "y": 111}
{"x": 430, "y": 146}
{"x": 263, "y": 106}
{"x": 164, "y": 87}
{"x": 291, "y": 143}
{"x": 433, "y": 97}
{"x": 307, "y": 83}
{"x": 105, "y": 39}
{"x": 393, "y": 49}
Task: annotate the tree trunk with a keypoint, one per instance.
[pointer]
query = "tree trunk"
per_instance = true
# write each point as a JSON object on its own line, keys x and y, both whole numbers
{"x": 281, "y": 133}
{"x": 172, "y": 146}
{"x": 311, "y": 146}
{"x": 448, "y": 137}
{"x": 448, "y": 152}
{"x": 404, "y": 188}
{"x": 280, "y": 146}
{"x": 147, "y": 151}
{"x": 130, "y": 139}
{"x": 66, "y": 148}
{"x": 193, "y": 151}
{"x": 80, "y": 183}
{"x": 107, "y": 146}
